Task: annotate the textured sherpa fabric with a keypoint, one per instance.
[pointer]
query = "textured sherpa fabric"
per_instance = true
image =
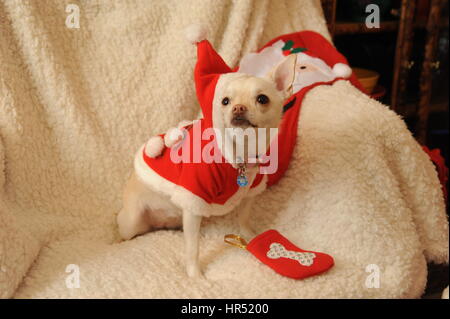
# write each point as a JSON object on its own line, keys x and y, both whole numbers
{"x": 75, "y": 104}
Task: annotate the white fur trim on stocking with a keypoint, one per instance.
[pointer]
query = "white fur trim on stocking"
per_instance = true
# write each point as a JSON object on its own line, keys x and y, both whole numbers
{"x": 154, "y": 146}
{"x": 173, "y": 136}
{"x": 342, "y": 70}
{"x": 195, "y": 33}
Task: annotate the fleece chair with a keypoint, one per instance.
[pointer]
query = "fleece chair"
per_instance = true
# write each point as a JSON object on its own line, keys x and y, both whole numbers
{"x": 76, "y": 103}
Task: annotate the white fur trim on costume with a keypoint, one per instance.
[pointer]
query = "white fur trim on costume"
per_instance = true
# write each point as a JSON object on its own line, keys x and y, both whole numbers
{"x": 342, "y": 70}
{"x": 184, "y": 123}
{"x": 154, "y": 146}
{"x": 195, "y": 33}
{"x": 173, "y": 135}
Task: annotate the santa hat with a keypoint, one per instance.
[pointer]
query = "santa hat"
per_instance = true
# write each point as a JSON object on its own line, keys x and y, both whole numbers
{"x": 316, "y": 46}
{"x": 210, "y": 66}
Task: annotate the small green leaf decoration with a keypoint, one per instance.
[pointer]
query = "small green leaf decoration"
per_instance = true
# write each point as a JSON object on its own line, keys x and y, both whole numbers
{"x": 298, "y": 50}
{"x": 288, "y": 45}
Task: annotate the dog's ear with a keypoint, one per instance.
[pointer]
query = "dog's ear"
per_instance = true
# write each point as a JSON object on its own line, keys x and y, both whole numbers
{"x": 283, "y": 74}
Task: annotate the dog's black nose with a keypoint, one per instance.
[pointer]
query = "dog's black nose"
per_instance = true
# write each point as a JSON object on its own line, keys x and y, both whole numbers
{"x": 239, "y": 109}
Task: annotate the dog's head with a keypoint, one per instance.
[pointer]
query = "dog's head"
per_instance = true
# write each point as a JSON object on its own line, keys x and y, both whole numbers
{"x": 246, "y": 101}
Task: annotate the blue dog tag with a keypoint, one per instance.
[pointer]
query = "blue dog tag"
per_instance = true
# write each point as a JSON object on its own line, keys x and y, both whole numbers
{"x": 242, "y": 181}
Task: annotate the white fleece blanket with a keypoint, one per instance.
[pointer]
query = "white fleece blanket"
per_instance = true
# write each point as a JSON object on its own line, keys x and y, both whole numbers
{"x": 76, "y": 103}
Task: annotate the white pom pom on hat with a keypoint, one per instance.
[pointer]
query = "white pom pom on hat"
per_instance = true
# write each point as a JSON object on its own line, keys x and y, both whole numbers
{"x": 173, "y": 136}
{"x": 154, "y": 146}
{"x": 195, "y": 33}
{"x": 342, "y": 70}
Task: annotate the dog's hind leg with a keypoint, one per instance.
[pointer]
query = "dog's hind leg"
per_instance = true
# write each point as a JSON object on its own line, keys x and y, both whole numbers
{"x": 131, "y": 224}
{"x": 145, "y": 210}
{"x": 131, "y": 219}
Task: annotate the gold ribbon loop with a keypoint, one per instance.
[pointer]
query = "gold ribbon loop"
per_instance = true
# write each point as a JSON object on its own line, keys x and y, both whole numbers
{"x": 235, "y": 240}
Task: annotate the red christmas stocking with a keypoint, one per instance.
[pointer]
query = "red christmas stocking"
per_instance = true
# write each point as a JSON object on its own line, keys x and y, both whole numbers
{"x": 277, "y": 252}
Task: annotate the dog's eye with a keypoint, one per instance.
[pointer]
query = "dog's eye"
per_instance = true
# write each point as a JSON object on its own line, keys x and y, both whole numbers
{"x": 262, "y": 99}
{"x": 225, "y": 101}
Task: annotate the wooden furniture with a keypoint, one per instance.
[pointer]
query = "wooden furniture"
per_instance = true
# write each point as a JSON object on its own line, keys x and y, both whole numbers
{"x": 413, "y": 15}
{"x": 429, "y": 64}
{"x": 403, "y": 51}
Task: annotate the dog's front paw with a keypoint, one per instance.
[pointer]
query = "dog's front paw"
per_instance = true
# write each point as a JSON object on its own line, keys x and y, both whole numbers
{"x": 193, "y": 271}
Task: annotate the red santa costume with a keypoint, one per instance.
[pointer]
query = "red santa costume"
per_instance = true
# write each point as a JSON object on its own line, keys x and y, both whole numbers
{"x": 209, "y": 188}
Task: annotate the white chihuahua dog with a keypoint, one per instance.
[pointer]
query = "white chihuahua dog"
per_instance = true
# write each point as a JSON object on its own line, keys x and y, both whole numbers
{"x": 240, "y": 101}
